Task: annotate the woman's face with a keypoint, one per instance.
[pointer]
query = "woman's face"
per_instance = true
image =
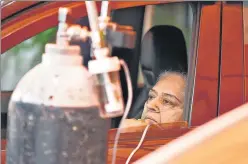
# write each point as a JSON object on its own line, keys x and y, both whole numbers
{"x": 165, "y": 102}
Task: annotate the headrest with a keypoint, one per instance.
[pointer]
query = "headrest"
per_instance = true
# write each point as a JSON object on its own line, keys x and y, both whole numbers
{"x": 163, "y": 48}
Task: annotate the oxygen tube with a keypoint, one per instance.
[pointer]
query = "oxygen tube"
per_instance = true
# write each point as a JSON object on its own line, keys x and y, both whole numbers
{"x": 140, "y": 143}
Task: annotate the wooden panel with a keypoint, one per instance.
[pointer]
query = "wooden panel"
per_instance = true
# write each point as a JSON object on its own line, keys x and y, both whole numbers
{"x": 245, "y": 18}
{"x": 155, "y": 137}
{"x": 207, "y": 67}
{"x": 40, "y": 19}
{"x": 232, "y": 73}
{"x": 222, "y": 144}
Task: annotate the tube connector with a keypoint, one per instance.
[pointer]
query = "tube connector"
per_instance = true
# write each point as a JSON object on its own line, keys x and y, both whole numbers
{"x": 97, "y": 35}
{"x": 63, "y": 14}
{"x": 62, "y": 38}
{"x": 76, "y": 32}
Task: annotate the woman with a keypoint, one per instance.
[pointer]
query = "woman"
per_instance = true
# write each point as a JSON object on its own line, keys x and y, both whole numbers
{"x": 165, "y": 101}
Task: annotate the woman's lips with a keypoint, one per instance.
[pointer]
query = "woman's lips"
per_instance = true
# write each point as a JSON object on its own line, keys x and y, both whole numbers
{"x": 150, "y": 120}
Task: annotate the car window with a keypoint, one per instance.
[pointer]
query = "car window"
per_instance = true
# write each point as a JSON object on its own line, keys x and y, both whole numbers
{"x": 23, "y": 57}
{"x": 177, "y": 15}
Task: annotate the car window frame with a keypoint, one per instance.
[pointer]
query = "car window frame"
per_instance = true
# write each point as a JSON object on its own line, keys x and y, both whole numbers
{"x": 205, "y": 93}
{"x": 189, "y": 91}
{"x": 36, "y": 19}
{"x": 245, "y": 28}
{"x": 231, "y": 85}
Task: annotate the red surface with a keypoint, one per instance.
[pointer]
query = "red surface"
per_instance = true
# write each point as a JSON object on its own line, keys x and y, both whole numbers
{"x": 245, "y": 17}
{"x": 44, "y": 17}
{"x": 13, "y": 7}
{"x": 246, "y": 71}
{"x": 3, "y": 152}
{"x": 206, "y": 79}
{"x": 232, "y": 72}
{"x": 34, "y": 22}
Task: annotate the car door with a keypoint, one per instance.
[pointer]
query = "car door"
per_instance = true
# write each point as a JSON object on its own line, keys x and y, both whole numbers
{"x": 245, "y": 28}
{"x": 202, "y": 99}
{"x": 233, "y": 61}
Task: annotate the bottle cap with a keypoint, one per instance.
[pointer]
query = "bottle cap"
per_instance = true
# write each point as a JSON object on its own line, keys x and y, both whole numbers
{"x": 62, "y": 50}
{"x": 104, "y": 65}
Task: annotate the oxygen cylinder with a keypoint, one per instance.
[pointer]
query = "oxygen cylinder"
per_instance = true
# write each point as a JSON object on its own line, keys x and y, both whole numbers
{"x": 53, "y": 115}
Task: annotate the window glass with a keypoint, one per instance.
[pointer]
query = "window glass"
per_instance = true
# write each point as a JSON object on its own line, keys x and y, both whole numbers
{"x": 20, "y": 59}
{"x": 179, "y": 15}
{"x": 176, "y": 16}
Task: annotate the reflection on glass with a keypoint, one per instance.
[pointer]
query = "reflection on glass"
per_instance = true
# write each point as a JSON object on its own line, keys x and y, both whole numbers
{"x": 23, "y": 57}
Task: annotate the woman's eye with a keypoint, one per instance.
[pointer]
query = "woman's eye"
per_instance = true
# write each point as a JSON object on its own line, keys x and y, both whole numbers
{"x": 166, "y": 102}
{"x": 150, "y": 97}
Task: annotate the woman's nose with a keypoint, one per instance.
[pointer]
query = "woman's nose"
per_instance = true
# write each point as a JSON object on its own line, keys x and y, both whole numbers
{"x": 153, "y": 105}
